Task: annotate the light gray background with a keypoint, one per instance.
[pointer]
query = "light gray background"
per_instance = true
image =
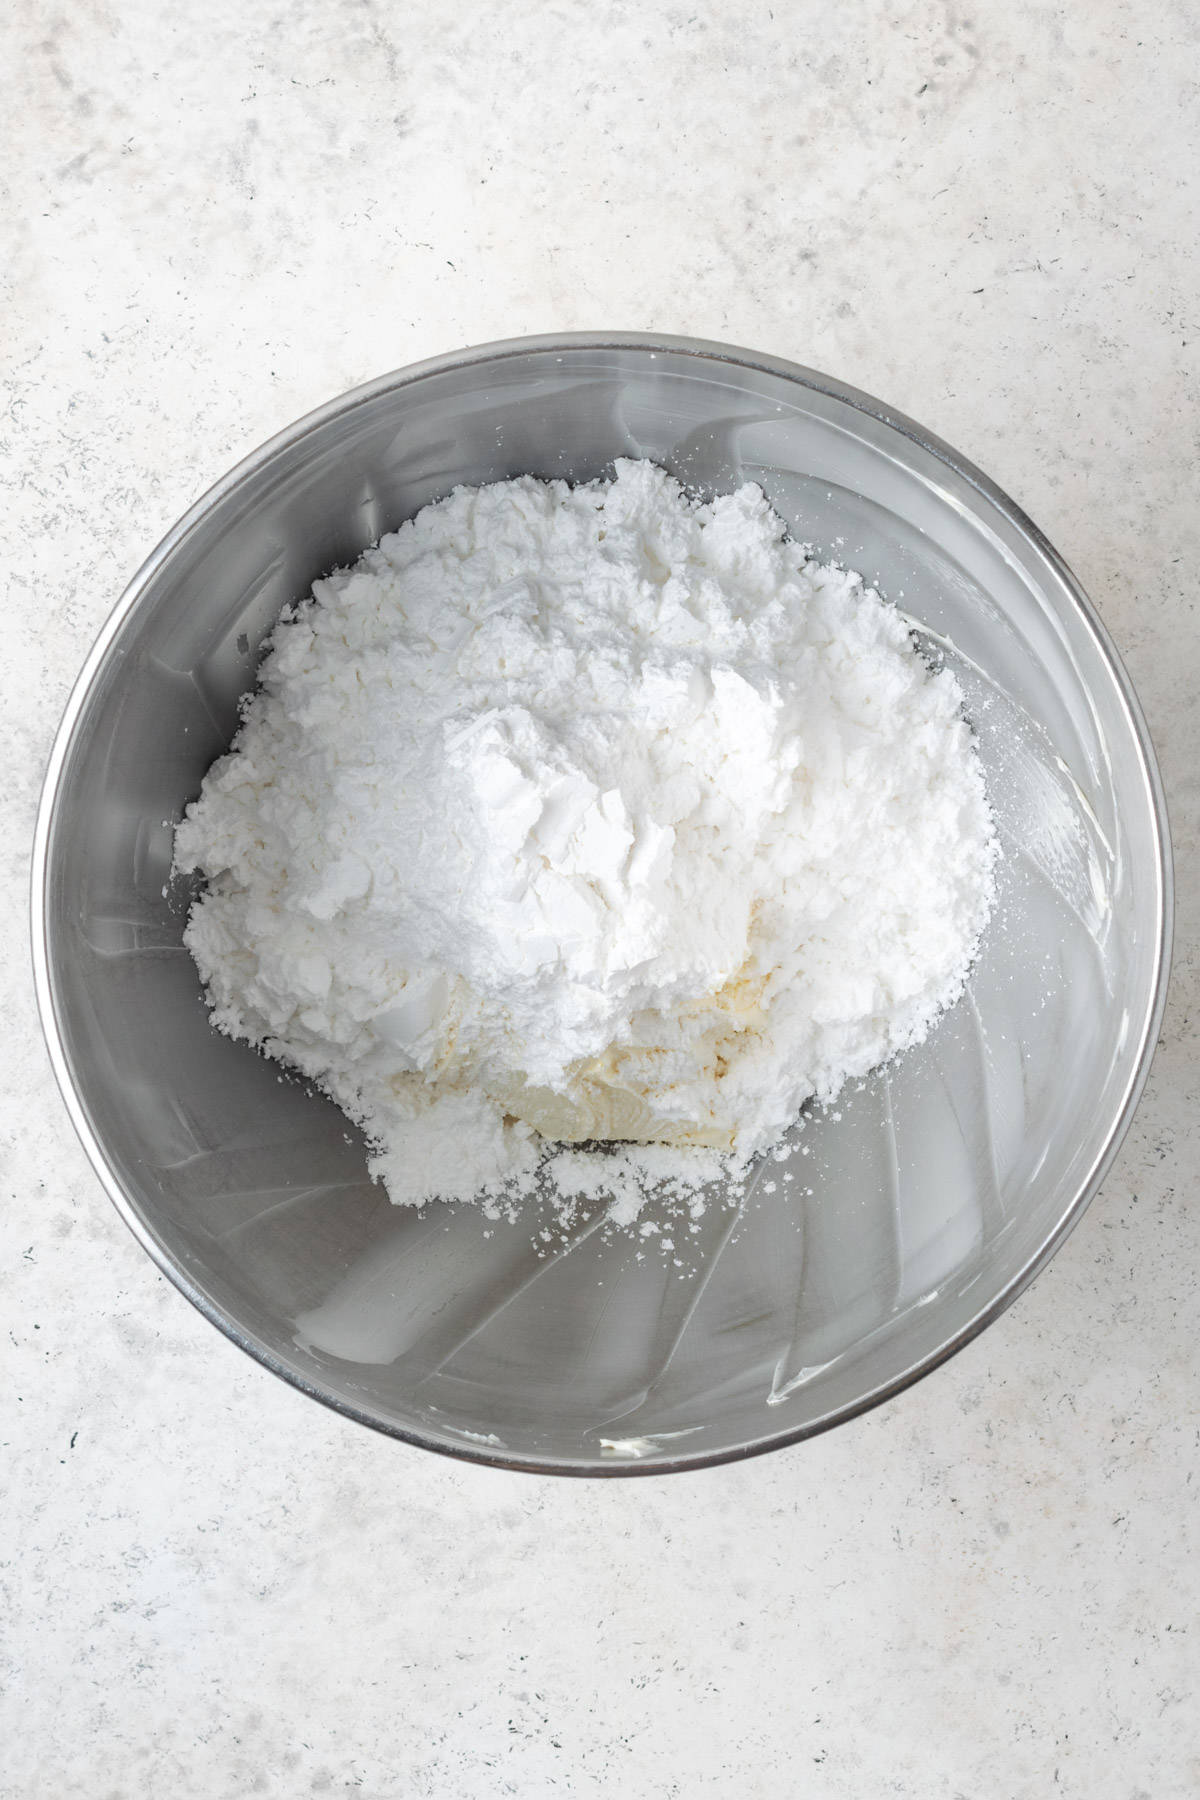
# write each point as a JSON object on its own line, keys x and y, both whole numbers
{"x": 217, "y": 217}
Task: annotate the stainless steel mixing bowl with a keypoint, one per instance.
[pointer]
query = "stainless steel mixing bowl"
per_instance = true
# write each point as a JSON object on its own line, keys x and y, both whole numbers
{"x": 919, "y": 1207}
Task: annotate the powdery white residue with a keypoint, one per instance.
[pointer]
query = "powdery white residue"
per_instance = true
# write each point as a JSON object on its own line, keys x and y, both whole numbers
{"x": 631, "y": 1175}
{"x": 588, "y": 813}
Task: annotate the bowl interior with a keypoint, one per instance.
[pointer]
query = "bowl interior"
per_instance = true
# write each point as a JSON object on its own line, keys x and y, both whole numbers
{"x": 915, "y": 1206}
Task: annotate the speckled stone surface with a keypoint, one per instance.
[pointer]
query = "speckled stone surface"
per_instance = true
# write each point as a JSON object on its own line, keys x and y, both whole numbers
{"x": 215, "y": 219}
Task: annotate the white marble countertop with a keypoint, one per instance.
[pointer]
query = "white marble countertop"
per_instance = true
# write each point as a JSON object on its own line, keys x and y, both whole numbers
{"x": 210, "y": 1586}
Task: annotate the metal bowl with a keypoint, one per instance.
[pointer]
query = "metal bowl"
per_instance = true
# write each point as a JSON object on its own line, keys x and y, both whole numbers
{"x": 926, "y": 1199}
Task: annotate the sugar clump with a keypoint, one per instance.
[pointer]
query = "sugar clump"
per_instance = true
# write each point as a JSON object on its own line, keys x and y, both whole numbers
{"x": 577, "y": 813}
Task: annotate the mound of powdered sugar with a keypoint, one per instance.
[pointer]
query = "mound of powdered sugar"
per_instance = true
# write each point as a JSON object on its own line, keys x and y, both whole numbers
{"x": 588, "y": 813}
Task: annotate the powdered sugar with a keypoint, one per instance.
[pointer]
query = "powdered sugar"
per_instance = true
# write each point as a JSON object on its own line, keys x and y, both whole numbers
{"x": 626, "y": 1177}
{"x": 588, "y": 813}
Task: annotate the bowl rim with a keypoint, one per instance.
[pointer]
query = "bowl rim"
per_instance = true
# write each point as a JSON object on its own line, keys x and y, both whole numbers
{"x": 509, "y": 349}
